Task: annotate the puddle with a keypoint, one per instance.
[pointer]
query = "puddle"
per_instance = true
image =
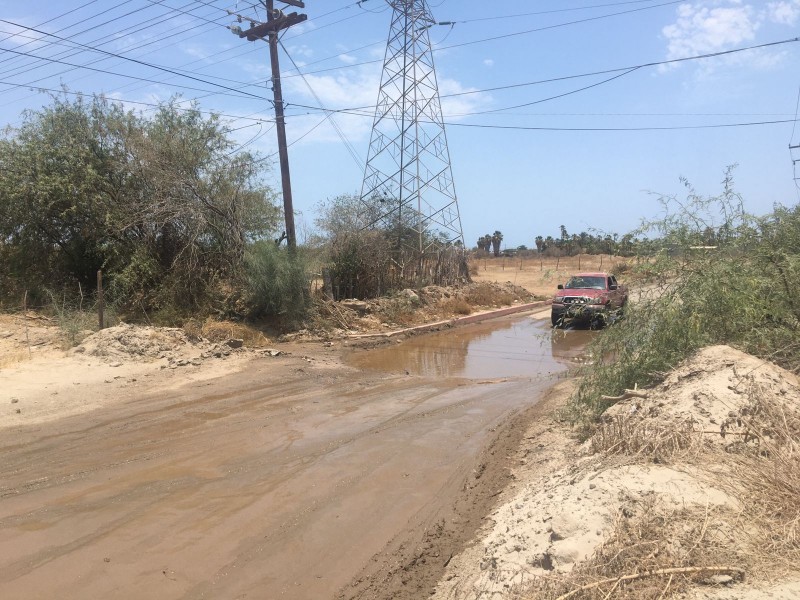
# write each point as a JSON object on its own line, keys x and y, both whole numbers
{"x": 499, "y": 348}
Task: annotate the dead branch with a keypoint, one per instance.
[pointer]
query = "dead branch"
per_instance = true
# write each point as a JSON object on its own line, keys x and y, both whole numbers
{"x": 657, "y": 573}
{"x": 666, "y": 588}
{"x": 626, "y": 395}
{"x": 35, "y": 317}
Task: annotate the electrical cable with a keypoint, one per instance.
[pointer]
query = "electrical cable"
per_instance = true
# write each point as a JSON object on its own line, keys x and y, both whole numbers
{"x": 350, "y": 149}
{"x": 547, "y": 12}
{"x": 50, "y": 20}
{"x": 89, "y": 19}
{"x": 133, "y": 60}
{"x": 151, "y": 105}
{"x": 601, "y": 129}
{"x": 569, "y": 93}
{"x": 508, "y": 35}
{"x": 626, "y": 69}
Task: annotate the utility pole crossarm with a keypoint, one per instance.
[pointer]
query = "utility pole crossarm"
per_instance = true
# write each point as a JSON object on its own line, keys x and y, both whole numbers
{"x": 273, "y": 26}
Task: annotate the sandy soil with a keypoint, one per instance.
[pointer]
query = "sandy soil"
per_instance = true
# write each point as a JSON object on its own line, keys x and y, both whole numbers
{"x": 146, "y": 463}
{"x": 540, "y": 276}
{"x": 568, "y": 498}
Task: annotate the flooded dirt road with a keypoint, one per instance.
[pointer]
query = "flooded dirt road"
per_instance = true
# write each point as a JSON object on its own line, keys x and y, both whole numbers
{"x": 298, "y": 478}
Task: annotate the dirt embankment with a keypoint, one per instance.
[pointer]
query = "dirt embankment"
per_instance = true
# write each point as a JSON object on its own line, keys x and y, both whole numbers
{"x": 690, "y": 490}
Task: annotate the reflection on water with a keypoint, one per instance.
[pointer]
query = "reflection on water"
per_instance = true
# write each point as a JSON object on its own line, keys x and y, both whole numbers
{"x": 570, "y": 344}
{"x": 500, "y": 348}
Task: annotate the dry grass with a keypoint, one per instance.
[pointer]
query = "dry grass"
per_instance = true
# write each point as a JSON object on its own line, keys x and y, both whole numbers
{"x": 540, "y": 276}
{"x": 655, "y": 551}
{"x": 486, "y": 294}
{"x": 647, "y": 438}
{"x": 454, "y": 306}
{"x": 221, "y": 331}
{"x": 328, "y": 314}
{"x": 8, "y": 359}
{"x": 768, "y": 474}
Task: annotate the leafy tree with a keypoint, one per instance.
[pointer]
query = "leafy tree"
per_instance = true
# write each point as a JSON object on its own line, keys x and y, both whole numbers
{"x": 371, "y": 248}
{"x": 56, "y": 195}
{"x": 485, "y": 243}
{"x": 161, "y": 204}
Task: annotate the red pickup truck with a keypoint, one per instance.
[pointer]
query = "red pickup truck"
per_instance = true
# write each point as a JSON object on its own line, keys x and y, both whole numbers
{"x": 594, "y": 298}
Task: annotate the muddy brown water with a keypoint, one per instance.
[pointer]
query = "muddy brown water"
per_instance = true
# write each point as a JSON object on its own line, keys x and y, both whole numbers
{"x": 511, "y": 347}
{"x": 287, "y": 480}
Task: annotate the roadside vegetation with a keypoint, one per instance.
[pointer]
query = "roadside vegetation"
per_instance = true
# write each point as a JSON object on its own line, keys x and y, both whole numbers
{"x": 177, "y": 217}
{"x": 182, "y": 225}
{"x": 721, "y": 277}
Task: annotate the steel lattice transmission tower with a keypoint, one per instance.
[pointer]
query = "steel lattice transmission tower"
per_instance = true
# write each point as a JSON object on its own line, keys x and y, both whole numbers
{"x": 408, "y": 183}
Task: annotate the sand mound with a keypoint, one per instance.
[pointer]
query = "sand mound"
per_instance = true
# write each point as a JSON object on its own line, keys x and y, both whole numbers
{"x": 130, "y": 341}
{"x": 712, "y": 393}
{"x": 142, "y": 343}
{"x": 663, "y": 454}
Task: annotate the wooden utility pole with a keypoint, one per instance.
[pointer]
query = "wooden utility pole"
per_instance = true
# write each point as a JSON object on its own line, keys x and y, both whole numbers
{"x": 277, "y": 21}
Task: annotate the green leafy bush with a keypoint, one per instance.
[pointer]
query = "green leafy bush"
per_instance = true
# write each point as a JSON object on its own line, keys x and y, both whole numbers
{"x": 161, "y": 204}
{"x": 736, "y": 283}
{"x": 277, "y": 282}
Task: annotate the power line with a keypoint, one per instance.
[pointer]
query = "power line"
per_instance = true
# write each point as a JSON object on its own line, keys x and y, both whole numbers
{"x": 506, "y": 35}
{"x": 557, "y": 96}
{"x": 624, "y": 70}
{"x": 350, "y": 149}
{"x": 586, "y": 129}
{"x": 115, "y": 55}
{"x": 142, "y": 103}
{"x": 548, "y": 12}
{"x": 66, "y": 54}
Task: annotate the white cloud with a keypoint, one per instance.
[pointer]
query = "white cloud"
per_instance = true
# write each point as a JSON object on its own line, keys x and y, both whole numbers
{"x": 454, "y": 107}
{"x": 784, "y": 13}
{"x": 350, "y": 88}
{"x": 301, "y": 50}
{"x": 709, "y": 26}
{"x": 198, "y": 51}
{"x": 702, "y": 29}
{"x": 357, "y": 87}
{"x": 488, "y": 62}
{"x": 19, "y": 35}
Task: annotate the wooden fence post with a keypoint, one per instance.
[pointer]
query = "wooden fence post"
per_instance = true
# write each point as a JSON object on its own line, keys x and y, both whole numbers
{"x": 100, "y": 307}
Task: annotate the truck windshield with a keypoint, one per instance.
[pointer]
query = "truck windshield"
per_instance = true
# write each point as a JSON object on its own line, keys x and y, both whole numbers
{"x": 584, "y": 283}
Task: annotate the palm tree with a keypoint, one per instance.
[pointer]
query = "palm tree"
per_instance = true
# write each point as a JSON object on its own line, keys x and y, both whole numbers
{"x": 496, "y": 238}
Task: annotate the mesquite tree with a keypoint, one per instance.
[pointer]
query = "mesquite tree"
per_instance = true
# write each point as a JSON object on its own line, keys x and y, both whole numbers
{"x": 161, "y": 203}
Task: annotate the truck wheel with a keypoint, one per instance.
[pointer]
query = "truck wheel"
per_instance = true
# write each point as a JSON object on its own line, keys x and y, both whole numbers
{"x": 555, "y": 319}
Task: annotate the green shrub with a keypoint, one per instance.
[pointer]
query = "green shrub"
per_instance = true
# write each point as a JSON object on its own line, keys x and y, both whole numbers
{"x": 742, "y": 292}
{"x": 277, "y": 282}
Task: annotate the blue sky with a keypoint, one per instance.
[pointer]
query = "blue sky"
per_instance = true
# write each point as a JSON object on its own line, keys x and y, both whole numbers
{"x": 595, "y": 159}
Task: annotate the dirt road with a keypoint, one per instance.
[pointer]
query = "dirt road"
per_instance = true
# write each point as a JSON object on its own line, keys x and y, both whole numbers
{"x": 294, "y": 478}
